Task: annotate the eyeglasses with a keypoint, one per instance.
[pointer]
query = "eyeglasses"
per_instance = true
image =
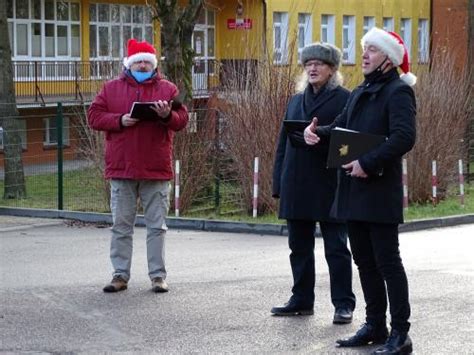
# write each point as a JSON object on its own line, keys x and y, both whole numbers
{"x": 315, "y": 63}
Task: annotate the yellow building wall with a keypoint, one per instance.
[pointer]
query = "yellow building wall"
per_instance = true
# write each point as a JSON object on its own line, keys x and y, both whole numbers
{"x": 240, "y": 43}
{"x": 398, "y": 9}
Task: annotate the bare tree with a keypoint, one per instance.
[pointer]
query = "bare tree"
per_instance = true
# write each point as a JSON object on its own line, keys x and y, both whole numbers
{"x": 14, "y": 186}
{"x": 177, "y": 29}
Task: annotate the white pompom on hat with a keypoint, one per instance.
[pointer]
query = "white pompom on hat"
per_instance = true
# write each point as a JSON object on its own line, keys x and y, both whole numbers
{"x": 138, "y": 51}
{"x": 392, "y": 45}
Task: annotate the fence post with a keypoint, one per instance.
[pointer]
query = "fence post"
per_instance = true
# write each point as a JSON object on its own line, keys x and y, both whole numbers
{"x": 76, "y": 81}
{"x": 434, "y": 182}
{"x": 176, "y": 189}
{"x": 461, "y": 183}
{"x": 217, "y": 194}
{"x": 59, "y": 132}
{"x": 255, "y": 188}
{"x": 405, "y": 183}
{"x": 217, "y": 164}
{"x": 36, "y": 81}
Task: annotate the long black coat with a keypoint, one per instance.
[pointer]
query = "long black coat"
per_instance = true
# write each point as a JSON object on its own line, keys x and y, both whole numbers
{"x": 387, "y": 107}
{"x": 301, "y": 180}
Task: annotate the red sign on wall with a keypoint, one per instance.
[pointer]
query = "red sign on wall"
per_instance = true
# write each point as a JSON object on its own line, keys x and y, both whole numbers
{"x": 239, "y": 23}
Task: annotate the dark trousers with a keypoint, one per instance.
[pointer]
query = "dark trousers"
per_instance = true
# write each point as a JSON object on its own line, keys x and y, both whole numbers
{"x": 338, "y": 257}
{"x": 376, "y": 253}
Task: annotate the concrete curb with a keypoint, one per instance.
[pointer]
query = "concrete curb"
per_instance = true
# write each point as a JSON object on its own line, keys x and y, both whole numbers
{"x": 219, "y": 226}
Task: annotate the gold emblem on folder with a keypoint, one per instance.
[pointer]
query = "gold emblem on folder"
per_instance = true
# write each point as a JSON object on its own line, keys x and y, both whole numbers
{"x": 343, "y": 150}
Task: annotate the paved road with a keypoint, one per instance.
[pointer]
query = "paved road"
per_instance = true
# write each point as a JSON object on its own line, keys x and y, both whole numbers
{"x": 222, "y": 288}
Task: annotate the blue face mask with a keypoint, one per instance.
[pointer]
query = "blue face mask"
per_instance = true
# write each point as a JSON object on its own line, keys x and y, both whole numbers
{"x": 141, "y": 76}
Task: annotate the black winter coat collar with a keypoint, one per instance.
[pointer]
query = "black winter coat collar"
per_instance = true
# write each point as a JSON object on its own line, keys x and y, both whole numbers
{"x": 370, "y": 86}
{"x": 313, "y": 101}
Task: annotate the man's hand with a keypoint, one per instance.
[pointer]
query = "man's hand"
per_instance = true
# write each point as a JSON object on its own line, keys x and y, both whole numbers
{"x": 128, "y": 121}
{"x": 162, "y": 108}
{"x": 310, "y": 136}
{"x": 354, "y": 169}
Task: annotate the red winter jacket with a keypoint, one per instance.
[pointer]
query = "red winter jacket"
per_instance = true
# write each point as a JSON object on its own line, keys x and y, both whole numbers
{"x": 143, "y": 151}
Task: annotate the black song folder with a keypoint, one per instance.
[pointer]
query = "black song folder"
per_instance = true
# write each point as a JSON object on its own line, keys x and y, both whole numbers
{"x": 144, "y": 111}
{"x": 294, "y": 130}
{"x": 347, "y": 145}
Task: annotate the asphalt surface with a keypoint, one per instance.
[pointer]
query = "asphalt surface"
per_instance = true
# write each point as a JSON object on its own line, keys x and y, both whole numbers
{"x": 222, "y": 286}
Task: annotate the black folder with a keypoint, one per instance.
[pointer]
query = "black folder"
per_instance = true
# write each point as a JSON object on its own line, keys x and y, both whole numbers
{"x": 294, "y": 130}
{"x": 144, "y": 111}
{"x": 347, "y": 145}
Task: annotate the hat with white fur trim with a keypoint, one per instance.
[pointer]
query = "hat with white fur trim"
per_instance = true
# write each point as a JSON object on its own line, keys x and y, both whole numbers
{"x": 138, "y": 51}
{"x": 392, "y": 45}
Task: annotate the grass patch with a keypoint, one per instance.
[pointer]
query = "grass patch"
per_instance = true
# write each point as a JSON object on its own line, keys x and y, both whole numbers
{"x": 451, "y": 206}
{"x": 84, "y": 191}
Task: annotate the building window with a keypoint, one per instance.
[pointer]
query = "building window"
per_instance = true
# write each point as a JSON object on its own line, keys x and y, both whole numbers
{"x": 203, "y": 42}
{"x": 21, "y": 131}
{"x": 304, "y": 32}
{"x": 50, "y": 136}
{"x": 204, "y": 35}
{"x": 388, "y": 24}
{"x": 348, "y": 39}
{"x": 423, "y": 41}
{"x": 280, "y": 37}
{"x": 327, "y": 29}
{"x": 405, "y": 33}
{"x": 112, "y": 25}
{"x": 44, "y": 29}
{"x": 369, "y": 22}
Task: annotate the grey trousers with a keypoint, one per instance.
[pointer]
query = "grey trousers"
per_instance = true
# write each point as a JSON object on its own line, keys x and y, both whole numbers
{"x": 154, "y": 197}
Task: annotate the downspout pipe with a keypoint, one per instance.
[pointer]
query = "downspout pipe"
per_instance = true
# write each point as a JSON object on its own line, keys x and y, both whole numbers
{"x": 264, "y": 39}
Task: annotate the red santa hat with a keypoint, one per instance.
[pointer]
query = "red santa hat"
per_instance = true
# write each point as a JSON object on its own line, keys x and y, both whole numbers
{"x": 138, "y": 51}
{"x": 392, "y": 45}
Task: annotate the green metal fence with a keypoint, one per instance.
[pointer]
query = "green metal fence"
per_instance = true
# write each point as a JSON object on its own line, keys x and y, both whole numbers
{"x": 62, "y": 163}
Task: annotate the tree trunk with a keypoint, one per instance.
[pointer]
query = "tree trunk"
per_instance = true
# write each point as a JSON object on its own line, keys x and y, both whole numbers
{"x": 14, "y": 184}
{"x": 177, "y": 30}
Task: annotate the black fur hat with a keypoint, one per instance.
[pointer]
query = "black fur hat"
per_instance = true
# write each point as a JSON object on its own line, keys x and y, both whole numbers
{"x": 322, "y": 51}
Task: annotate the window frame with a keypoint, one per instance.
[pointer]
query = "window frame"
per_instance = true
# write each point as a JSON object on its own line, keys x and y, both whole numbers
{"x": 388, "y": 24}
{"x": 110, "y": 25}
{"x": 47, "y": 134}
{"x": 282, "y": 50}
{"x": 406, "y": 33}
{"x": 368, "y": 23}
{"x": 330, "y": 28}
{"x": 349, "y": 52}
{"x": 43, "y": 22}
{"x": 307, "y": 28}
{"x": 423, "y": 49}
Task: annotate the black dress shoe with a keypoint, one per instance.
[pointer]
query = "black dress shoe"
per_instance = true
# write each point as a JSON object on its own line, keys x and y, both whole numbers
{"x": 342, "y": 316}
{"x": 292, "y": 309}
{"x": 367, "y": 335}
{"x": 397, "y": 343}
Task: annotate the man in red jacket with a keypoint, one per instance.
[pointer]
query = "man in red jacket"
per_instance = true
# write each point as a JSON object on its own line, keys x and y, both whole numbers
{"x": 138, "y": 159}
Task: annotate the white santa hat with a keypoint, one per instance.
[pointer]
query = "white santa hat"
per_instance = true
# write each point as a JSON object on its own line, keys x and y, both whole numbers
{"x": 138, "y": 51}
{"x": 392, "y": 45}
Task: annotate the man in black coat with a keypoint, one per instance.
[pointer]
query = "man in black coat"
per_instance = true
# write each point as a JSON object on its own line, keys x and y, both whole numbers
{"x": 306, "y": 188}
{"x": 370, "y": 195}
